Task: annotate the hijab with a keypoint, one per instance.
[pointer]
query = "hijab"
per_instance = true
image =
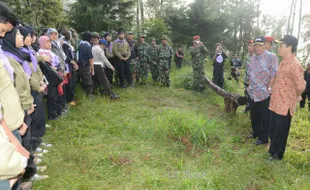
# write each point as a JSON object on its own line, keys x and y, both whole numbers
{"x": 9, "y": 48}
{"x": 25, "y": 32}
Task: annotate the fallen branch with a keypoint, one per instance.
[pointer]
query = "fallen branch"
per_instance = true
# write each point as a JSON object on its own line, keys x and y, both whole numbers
{"x": 231, "y": 100}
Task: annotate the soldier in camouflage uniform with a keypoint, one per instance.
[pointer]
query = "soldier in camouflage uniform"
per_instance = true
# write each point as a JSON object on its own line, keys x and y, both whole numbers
{"x": 246, "y": 76}
{"x": 199, "y": 53}
{"x": 153, "y": 63}
{"x": 143, "y": 60}
{"x": 165, "y": 53}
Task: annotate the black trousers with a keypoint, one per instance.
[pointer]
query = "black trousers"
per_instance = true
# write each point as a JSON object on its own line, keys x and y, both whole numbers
{"x": 100, "y": 80}
{"x": 52, "y": 102}
{"x": 305, "y": 96}
{"x": 70, "y": 87}
{"x": 279, "y": 130}
{"x": 84, "y": 72}
{"x": 109, "y": 72}
{"x": 246, "y": 94}
{"x": 260, "y": 113}
{"x": 123, "y": 69}
{"x": 26, "y": 139}
{"x": 218, "y": 77}
{"x": 178, "y": 63}
{"x": 38, "y": 120}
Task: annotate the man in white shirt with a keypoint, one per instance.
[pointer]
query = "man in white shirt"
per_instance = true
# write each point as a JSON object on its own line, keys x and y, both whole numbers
{"x": 101, "y": 62}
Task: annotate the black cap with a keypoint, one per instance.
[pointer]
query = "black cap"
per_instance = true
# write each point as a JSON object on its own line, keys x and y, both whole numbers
{"x": 120, "y": 32}
{"x": 288, "y": 40}
{"x": 259, "y": 40}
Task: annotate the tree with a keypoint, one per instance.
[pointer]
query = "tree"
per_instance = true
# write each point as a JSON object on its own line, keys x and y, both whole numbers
{"x": 102, "y": 15}
{"x": 158, "y": 8}
{"x": 306, "y": 36}
{"x": 155, "y": 28}
{"x": 43, "y": 13}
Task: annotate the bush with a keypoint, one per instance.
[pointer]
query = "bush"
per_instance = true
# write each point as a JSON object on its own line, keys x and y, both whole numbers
{"x": 184, "y": 125}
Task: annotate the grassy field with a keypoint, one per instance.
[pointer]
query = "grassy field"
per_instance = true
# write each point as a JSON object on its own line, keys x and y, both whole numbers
{"x": 168, "y": 138}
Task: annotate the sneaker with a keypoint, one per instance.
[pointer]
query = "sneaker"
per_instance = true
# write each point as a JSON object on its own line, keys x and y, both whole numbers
{"x": 40, "y": 150}
{"x": 251, "y": 136}
{"x": 26, "y": 185}
{"x": 259, "y": 142}
{"x": 73, "y": 103}
{"x": 38, "y": 161}
{"x": 38, "y": 155}
{"x": 38, "y": 177}
{"x": 114, "y": 97}
{"x": 42, "y": 168}
{"x": 48, "y": 126}
{"x": 46, "y": 145}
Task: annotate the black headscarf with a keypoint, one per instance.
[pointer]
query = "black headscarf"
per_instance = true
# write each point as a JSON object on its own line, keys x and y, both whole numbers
{"x": 24, "y": 31}
{"x": 9, "y": 45}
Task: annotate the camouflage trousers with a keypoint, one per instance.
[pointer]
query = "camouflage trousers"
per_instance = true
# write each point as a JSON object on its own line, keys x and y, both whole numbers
{"x": 155, "y": 71}
{"x": 199, "y": 80}
{"x": 142, "y": 71}
{"x": 164, "y": 72}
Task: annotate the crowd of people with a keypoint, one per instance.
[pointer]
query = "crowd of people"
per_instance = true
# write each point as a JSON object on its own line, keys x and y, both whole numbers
{"x": 48, "y": 65}
{"x": 34, "y": 66}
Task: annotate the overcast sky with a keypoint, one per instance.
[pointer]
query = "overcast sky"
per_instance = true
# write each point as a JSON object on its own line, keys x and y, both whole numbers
{"x": 280, "y": 7}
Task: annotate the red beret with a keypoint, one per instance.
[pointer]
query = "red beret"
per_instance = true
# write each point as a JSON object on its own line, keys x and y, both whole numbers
{"x": 196, "y": 37}
{"x": 269, "y": 39}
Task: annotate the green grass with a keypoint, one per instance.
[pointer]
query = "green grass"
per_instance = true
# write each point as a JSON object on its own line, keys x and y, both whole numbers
{"x": 168, "y": 138}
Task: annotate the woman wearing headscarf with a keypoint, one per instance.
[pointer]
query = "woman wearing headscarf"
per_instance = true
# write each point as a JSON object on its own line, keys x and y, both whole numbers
{"x": 72, "y": 66}
{"x": 37, "y": 88}
{"x": 53, "y": 90}
{"x": 12, "y": 43}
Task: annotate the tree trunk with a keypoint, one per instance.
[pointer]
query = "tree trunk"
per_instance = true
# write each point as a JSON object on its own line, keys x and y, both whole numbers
{"x": 289, "y": 18}
{"x": 258, "y": 12}
{"x": 142, "y": 11}
{"x": 138, "y": 15}
{"x": 293, "y": 21}
{"x": 300, "y": 19}
{"x": 231, "y": 100}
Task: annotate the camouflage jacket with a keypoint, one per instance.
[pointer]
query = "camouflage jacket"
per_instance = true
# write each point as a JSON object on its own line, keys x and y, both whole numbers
{"x": 143, "y": 54}
{"x": 165, "y": 52}
{"x": 153, "y": 52}
{"x": 198, "y": 54}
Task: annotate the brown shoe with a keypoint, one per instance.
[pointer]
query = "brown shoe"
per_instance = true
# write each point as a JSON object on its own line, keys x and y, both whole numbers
{"x": 26, "y": 185}
{"x": 73, "y": 103}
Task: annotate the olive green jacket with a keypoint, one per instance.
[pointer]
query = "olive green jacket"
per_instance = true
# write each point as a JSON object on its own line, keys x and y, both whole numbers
{"x": 11, "y": 108}
{"x": 121, "y": 50}
{"x": 22, "y": 85}
{"x": 36, "y": 78}
{"x": 11, "y": 163}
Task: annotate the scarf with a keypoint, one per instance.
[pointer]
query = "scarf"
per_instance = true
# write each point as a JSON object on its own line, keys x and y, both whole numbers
{"x": 119, "y": 41}
{"x": 32, "y": 57}
{"x": 54, "y": 59}
{"x": 10, "y": 49}
{"x": 7, "y": 65}
{"x": 110, "y": 47}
